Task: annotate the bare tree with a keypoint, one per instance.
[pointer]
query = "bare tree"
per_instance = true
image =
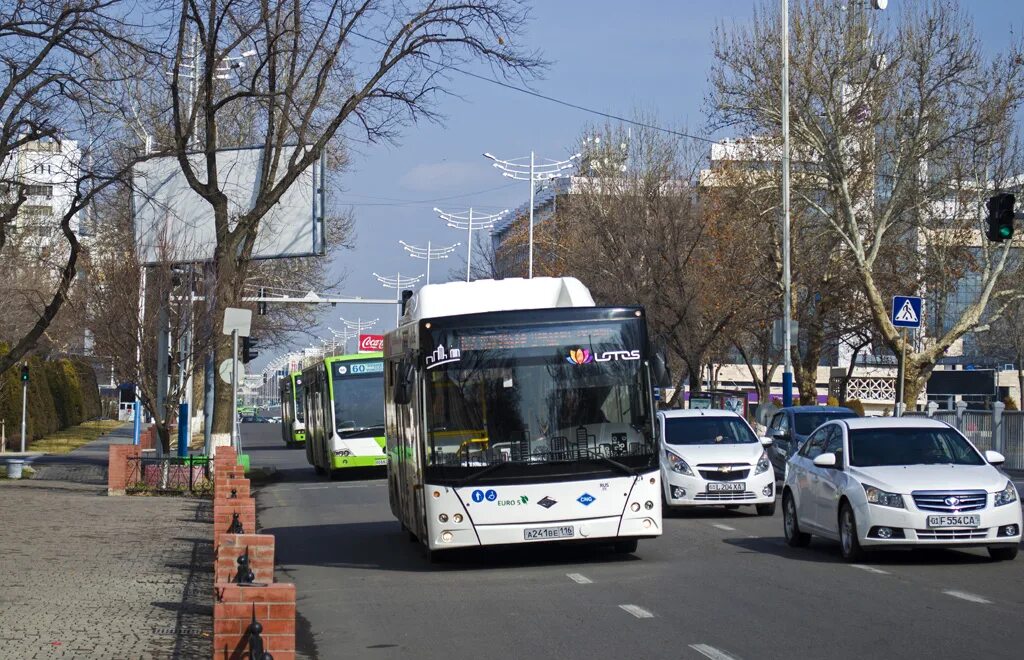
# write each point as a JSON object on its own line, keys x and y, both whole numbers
{"x": 54, "y": 65}
{"x": 315, "y": 72}
{"x": 907, "y": 128}
{"x": 637, "y": 230}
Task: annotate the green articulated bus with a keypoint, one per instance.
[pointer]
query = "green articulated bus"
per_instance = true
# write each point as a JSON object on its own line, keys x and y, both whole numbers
{"x": 293, "y": 418}
{"x": 344, "y": 403}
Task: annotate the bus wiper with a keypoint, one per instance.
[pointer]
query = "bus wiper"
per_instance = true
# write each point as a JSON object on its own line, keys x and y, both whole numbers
{"x": 351, "y": 433}
{"x": 618, "y": 466}
{"x": 476, "y": 475}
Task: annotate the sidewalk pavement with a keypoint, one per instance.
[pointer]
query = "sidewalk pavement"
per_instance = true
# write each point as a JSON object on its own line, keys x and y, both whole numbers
{"x": 84, "y": 575}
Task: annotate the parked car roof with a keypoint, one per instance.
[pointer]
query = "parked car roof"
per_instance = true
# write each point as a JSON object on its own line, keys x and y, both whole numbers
{"x": 894, "y": 423}
{"x": 701, "y": 412}
{"x": 818, "y": 409}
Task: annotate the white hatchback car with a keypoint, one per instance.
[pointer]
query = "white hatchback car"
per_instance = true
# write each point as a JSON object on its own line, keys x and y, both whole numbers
{"x": 881, "y": 482}
{"x": 713, "y": 457}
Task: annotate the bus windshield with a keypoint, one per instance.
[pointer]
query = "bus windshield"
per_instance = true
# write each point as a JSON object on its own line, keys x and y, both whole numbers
{"x": 538, "y": 395}
{"x": 358, "y": 396}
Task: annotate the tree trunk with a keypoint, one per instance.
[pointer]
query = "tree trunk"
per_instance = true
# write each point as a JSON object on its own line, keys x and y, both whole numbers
{"x": 915, "y": 376}
{"x": 807, "y": 365}
{"x": 227, "y": 292}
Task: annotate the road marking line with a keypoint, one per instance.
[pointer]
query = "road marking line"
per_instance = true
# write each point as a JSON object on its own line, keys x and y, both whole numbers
{"x": 711, "y": 652}
{"x": 637, "y": 611}
{"x": 579, "y": 578}
{"x": 724, "y": 527}
{"x": 311, "y": 487}
{"x": 963, "y": 595}
{"x": 869, "y": 569}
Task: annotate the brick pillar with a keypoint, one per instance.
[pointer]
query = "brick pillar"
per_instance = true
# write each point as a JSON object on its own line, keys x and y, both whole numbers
{"x": 233, "y": 610}
{"x": 261, "y": 556}
{"x": 223, "y": 510}
{"x": 118, "y": 469}
{"x": 228, "y": 482}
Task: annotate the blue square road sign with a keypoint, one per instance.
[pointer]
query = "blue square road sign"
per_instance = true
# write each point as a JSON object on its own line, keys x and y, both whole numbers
{"x": 906, "y": 311}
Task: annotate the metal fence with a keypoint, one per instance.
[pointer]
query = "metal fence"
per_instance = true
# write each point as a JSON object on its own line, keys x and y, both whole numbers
{"x": 999, "y": 430}
{"x": 170, "y": 474}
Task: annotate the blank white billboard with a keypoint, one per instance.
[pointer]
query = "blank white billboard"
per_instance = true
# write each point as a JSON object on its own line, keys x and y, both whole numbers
{"x": 173, "y": 224}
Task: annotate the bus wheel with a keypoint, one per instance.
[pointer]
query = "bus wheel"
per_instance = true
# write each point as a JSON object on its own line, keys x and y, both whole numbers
{"x": 318, "y": 469}
{"x": 626, "y": 547}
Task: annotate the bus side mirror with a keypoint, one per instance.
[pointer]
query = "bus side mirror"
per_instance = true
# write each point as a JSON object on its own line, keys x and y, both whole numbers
{"x": 403, "y": 386}
{"x": 659, "y": 370}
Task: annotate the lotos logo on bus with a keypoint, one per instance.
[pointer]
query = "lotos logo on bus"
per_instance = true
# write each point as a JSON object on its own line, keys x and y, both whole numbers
{"x": 371, "y": 343}
{"x": 580, "y": 356}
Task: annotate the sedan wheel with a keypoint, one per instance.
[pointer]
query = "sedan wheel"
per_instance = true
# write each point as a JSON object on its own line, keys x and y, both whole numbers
{"x": 850, "y": 545}
{"x": 1003, "y": 553}
{"x": 794, "y": 537}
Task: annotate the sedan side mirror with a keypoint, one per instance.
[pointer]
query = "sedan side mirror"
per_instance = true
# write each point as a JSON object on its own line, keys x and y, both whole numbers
{"x": 994, "y": 457}
{"x": 766, "y": 441}
{"x": 827, "y": 460}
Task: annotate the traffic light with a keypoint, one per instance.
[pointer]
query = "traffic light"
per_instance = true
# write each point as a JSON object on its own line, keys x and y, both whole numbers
{"x": 261, "y": 305}
{"x": 249, "y": 352}
{"x": 24, "y": 373}
{"x": 1000, "y": 217}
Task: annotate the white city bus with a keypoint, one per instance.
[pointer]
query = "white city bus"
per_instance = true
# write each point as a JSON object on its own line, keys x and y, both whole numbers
{"x": 517, "y": 411}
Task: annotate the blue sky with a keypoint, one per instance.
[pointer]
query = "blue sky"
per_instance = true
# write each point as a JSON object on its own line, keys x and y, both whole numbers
{"x": 609, "y": 55}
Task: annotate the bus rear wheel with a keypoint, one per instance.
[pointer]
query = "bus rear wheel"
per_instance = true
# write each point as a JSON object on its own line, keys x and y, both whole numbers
{"x": 626, "y": 546}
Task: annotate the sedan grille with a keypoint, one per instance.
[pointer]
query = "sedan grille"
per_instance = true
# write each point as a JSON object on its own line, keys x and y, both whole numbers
{"x": 950, "y": 501}
{"x": 950, "y": 534}
{"x": 724, "y": 472}
{"x": 725, "y": 497}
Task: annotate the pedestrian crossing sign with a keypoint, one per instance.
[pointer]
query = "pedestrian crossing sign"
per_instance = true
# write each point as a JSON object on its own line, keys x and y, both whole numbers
{"x": 906, "y": 311}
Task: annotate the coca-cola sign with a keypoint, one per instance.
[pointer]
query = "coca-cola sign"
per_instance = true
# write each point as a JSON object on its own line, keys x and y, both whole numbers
{"x": 371, "y": 343}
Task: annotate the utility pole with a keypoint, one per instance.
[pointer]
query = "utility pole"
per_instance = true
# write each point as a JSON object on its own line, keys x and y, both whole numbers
{"x": 787, "y": 292}
{"x": 399, "y": 283}
{"x": 467, "y": 221}
{"x": 534, "y": 172}
{"x": 429, "y": 253}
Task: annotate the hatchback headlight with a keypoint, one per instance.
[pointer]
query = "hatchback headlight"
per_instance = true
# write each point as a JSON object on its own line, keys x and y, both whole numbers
{"x": 763, "y": 463}
{"x": 678, "y": 464}
{"x": 883, "y": 498}
{"x": 1007, "y": 495}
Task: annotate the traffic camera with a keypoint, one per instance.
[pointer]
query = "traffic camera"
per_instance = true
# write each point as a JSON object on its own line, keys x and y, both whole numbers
{"x": 1000, "y": 217}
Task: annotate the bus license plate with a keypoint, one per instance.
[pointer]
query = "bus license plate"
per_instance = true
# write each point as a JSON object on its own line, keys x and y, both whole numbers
{"x": 954, "y": 521}
{"x": 727, "y": 487}
{"x": 381, "y": 461}
{"x": 538, "y": 533}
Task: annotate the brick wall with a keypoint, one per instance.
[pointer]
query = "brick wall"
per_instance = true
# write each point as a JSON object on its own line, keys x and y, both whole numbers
{"x": 118, "y": 470}
{"x": 261, "y": 556}
{"x": 235, "y": 605}
{"x": 274, "y": 608}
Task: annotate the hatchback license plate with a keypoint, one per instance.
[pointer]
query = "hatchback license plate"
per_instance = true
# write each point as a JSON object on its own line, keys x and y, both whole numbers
{"x": 727, "y": 487}
{"x": 954, "y": 521}
{"x": 537, "y": 533}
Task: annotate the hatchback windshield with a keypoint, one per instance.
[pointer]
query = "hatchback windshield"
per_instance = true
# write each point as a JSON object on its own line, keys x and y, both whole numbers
{"x": 707, "y": 431}
{"x": 893, "y": 446}
{"x": 807, "y": 422}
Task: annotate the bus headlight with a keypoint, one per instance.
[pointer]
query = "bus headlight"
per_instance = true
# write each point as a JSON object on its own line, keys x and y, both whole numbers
{"x": 457, "y": 517}
{"x": 447, "y": 537}
{"x": 443, "y": 517}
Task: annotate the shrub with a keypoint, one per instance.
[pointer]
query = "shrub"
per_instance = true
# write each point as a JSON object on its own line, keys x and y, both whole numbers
{"x": 856, "y": 406}
{"x": 1010, "y": 403}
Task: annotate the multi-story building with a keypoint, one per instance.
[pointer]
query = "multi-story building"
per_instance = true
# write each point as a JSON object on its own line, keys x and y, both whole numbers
{"x": 47, "y": 171}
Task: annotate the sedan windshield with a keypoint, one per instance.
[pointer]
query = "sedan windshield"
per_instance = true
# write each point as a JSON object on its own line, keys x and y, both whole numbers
{"x": 707, "y": 431}
{"x": 807, "y": 422}
{"x": 922, "y": 446}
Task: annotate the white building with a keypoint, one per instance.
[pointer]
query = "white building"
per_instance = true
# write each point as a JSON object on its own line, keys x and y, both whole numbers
{"x": 47, "y": 171}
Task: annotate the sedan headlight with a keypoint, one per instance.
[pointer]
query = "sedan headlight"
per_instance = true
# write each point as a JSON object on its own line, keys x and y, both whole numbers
{"x": 883, "y": 498}
{"x": 763, "y": 463}
{"x": 677, "y": 464}
{"x": 1007, "y": 495}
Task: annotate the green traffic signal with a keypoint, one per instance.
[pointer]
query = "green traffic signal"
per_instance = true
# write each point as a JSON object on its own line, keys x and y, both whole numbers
{"x": 1005, "y": 231}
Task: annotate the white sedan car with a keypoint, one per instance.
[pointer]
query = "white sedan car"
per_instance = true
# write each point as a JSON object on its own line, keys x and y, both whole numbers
{"x": 713, "y": 457}
{"x": 873, "y": 483}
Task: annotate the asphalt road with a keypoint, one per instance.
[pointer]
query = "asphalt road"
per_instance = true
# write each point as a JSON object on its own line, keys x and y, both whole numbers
{"x": 719, "y": 584}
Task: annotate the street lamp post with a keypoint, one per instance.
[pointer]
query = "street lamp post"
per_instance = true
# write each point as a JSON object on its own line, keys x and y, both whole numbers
{"x": 397, "y": 282}
{"x": 469, "y": 222}
{"x": 534, "y": 172}
{"x": 356, "y": 328}
{"x": 429, "y": 253}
